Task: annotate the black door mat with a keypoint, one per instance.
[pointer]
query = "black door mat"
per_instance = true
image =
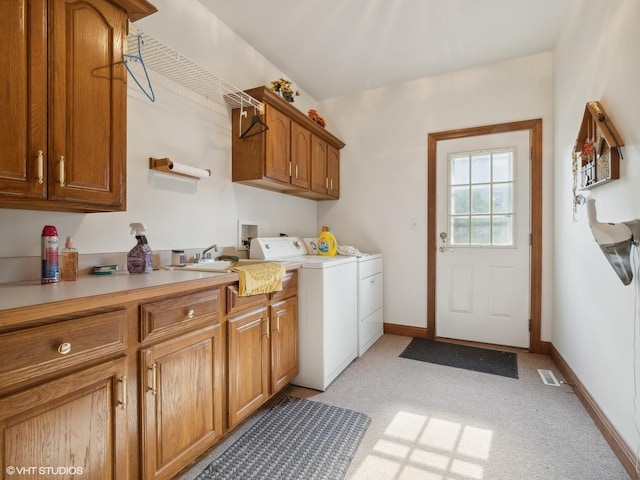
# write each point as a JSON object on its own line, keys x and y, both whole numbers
{"x": 483, "y": 360}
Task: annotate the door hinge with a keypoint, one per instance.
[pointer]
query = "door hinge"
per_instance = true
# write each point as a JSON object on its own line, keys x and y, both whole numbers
{"x": 529, "y": 324}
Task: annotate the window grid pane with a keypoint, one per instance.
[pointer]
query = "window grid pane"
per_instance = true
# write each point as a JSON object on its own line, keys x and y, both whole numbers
{"x": 482, "y": 198}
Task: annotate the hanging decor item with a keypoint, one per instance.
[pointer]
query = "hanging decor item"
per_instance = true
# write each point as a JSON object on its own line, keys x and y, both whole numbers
{"x": 597, "y": 151}
{"x": 282, "y": 86}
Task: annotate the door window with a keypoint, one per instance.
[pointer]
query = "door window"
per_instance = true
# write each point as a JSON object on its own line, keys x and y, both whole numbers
{"x": 481, "y": 198}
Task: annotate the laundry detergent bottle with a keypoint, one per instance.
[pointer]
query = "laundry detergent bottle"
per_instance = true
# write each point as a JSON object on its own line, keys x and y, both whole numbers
{"x": 327, "y": 244}
{"x": 140, "y": 257}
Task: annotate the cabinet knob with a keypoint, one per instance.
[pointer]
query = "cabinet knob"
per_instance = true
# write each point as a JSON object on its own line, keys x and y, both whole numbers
{"x": 64, "y": 348}
{"x": 191, "y": 313}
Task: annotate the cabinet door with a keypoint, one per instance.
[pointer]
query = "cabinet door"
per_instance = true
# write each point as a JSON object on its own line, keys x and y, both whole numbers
{"x": 318, "y": 165}
{"x": 333, "y": 171}
{"x": 284, "y": 343}
{"x": 77, "y": 423}
{"x": 278, "y": 151}
{"x": 23, "y": 95}
{"x": 300, "y": 156}
{"x": 248, "y": 343}
{"x": 181, "y": 400}
{"x": 87, "y": 116}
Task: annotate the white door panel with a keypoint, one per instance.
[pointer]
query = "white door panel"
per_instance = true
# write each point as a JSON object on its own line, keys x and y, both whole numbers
{"x": 483, "y": 290}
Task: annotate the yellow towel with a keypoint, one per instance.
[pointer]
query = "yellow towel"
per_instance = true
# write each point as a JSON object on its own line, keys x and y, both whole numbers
{"x": 260, "y": 278}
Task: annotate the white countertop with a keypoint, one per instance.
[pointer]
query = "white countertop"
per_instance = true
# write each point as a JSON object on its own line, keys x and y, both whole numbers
{"x": 30, "y": 293}
{"x": 23, "y": 294}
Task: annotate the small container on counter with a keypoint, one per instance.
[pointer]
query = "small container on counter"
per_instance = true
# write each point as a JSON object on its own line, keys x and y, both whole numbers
{"x": 49, "y": 255}
{"x": 68, "y": 262}
{"x": 177, "y": 258}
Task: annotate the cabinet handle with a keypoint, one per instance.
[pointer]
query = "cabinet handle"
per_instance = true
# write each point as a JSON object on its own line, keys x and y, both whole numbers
{"x": 268, "y": 334}
{"x": 40, "y": 167}
{"x": 191, "y": 313}
{"x": 326, "y": 183}
{"x": 61, "y": 164}
{"x": 290, "y": 167}
{"x": 296, "y": 170}
{"x": 64, "y": 348}
{"x": 123, "y": 383}
{"x": 154, "y": 386}
{"x": 331, "y": 187}
{"x": 278, "y": 323}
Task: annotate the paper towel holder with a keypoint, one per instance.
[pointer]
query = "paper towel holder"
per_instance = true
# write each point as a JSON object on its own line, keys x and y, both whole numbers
{"x": 167, "y": 165}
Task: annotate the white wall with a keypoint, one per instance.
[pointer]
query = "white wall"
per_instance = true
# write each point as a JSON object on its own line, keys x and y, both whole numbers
{"x": 178, "y": 213}
{"x": 597, "y": 58}
{"x": 384, "y": 165}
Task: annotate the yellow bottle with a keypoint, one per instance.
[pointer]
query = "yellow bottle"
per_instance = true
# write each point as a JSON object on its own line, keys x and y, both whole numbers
{"x": 327, "y": 244}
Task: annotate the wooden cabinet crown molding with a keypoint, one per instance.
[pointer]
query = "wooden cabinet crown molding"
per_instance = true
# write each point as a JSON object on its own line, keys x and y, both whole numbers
{"x": 136, "y": 9}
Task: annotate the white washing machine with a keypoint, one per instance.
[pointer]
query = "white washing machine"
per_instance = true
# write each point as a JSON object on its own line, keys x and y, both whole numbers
{"x": 327, "y": 308}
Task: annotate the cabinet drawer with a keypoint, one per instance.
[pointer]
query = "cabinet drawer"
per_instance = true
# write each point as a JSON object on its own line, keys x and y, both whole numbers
{"x": 34, "y": 353}
{"x": 289, "y": 286}
{"x": 370, "y": 267}
{"x": 177, "y": 314}
{"x": 236, "y": 303}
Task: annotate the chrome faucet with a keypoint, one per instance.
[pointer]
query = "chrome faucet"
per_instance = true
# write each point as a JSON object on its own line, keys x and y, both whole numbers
{"x": 204, "y": 256}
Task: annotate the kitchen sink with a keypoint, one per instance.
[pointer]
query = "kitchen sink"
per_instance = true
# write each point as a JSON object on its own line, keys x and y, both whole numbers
{"x": 218, "y": 265}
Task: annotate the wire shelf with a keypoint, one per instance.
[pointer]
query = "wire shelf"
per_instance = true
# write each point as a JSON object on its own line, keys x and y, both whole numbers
{"x": 164, "y": 60}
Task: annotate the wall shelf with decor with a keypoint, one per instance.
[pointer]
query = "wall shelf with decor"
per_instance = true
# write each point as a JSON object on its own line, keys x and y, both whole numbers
{"x": 597, "y": 151}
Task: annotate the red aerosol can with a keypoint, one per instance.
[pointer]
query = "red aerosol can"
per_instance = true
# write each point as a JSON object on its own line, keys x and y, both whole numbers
{"x": 50, "y": 273}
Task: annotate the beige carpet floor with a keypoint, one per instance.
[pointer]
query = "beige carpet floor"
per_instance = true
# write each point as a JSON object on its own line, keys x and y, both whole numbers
{"x": 431, "y": 422}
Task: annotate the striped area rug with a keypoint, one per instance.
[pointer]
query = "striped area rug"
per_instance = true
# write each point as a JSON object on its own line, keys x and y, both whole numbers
{"x": 297, "y": 439}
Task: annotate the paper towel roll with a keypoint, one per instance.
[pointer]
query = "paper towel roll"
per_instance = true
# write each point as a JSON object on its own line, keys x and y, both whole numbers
{"x": 169, "y": 166}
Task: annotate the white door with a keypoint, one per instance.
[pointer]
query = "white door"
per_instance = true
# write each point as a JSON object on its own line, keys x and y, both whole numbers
{"x": 482, "y": 228}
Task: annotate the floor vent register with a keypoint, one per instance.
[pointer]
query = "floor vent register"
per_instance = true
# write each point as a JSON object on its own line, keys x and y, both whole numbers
{"x": 548, "y": 378}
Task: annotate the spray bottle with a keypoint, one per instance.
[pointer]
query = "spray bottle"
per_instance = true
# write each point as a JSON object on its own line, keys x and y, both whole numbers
{"x": 140, "y": 258}
{"x": 49, "y": 255}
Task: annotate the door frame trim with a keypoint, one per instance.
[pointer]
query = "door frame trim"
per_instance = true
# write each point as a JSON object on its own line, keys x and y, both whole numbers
{"x": 534, "y": 127}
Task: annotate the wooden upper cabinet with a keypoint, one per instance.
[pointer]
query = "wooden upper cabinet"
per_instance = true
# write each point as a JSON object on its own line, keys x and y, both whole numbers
{"x": 318, "y": 165}
{"x": 300, "y": 156}
{"x": 282, "y": 158}
{"x": 333, "y": 172}
{"x": 278, "y": 154}
{"x": 63, "y": 141}
{"x": 325, "y": 169}
{"x": 23, "y": 94}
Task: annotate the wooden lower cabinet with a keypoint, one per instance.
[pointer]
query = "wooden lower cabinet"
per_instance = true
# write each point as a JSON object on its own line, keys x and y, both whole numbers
{"x": 262, "y": 344}
{"x": 248, "y": 363}
{"x": 284, "y": 343}
{"x": 181, "y": 381}
{"x": 71, "y": 427}
{"x": 139, "y": 388}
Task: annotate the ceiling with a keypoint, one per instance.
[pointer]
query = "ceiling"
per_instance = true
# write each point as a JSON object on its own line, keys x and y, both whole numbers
{"x": 330, "y": 48}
